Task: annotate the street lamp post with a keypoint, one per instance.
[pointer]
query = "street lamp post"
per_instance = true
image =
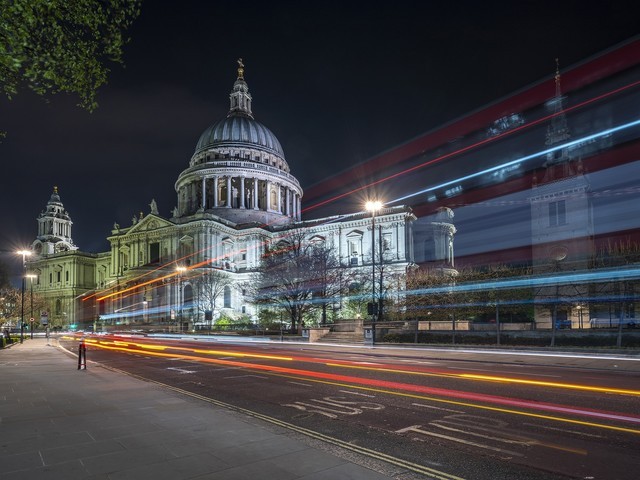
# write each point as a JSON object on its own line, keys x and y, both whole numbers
{"x": 25, "y": 254}
{"x": 373, "y": 206}
{"x": 31, "y": 277}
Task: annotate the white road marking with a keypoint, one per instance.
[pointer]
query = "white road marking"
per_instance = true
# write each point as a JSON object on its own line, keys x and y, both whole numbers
{"x": 436, "y": 408}
{"x": 298, "y": 383}
{"x": 246, "y": 376}
{"x": 333, "y": 406}
{"x": 181, "y": 370}
{"x": 416, "y": 429}
{"x": 563, "y": 430}
{"x": 420, "y": 362}
{"x": 357, "y": 393}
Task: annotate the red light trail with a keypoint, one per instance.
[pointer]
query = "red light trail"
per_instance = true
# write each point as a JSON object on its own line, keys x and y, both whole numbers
{"x": 494, "y": 402}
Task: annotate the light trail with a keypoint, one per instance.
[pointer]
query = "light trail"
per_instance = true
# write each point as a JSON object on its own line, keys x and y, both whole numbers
{"x": 517, "y": 161}
{"x": 419, "y": 391}
{"x": 473, "y": 146}
{"x": 602, "y": 275}
{"x": 146, "y": 346}
{"x": 541, "y": 383}
{"x": 489, "y": 378}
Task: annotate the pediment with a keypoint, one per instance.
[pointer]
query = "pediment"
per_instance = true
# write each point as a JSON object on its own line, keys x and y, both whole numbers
{"x": 150, "y": 222}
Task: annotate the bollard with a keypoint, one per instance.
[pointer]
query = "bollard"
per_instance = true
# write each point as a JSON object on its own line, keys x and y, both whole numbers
{"x": 82, "y": 355}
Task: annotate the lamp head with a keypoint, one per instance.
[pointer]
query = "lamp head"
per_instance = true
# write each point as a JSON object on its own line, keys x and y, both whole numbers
{"x": 373, "y": 205}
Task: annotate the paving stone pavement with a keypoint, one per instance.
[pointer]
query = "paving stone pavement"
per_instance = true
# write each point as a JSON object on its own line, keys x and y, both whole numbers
{"x": 58, "y": 422}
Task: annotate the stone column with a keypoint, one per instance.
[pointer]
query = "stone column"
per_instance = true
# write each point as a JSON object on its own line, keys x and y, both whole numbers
{"x": 268, "y": 195}
{"x": 288, "y": 202}
{"x": 229, "y": 192}
{"x": 215, "y": 191}
{"x": 255, "y": 194}
{"x": 294, "y": 205}
{"x": 204, "y": 193}
{"x": 242, "y": 199}
{"x": 279, "y": 198}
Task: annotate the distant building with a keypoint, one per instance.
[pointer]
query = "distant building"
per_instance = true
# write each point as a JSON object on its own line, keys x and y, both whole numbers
{"x": 562, "y": 234}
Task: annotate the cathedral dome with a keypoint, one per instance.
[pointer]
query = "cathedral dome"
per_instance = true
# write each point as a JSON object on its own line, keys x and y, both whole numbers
{"x": 239, "y": 130}
{"x": 238, "y": 171}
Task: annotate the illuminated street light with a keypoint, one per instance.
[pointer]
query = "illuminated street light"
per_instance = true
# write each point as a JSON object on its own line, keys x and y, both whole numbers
{"x": 373, "y": 206}
{"x": 31, "y": 277}
{"x": 25, "y": 254}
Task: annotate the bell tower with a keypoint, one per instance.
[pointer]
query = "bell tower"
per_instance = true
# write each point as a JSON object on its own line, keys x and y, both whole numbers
{"x": 561, "y": 220}
{"x": 54, "y": 228}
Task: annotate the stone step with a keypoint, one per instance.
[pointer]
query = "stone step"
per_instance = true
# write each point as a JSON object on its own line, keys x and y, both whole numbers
{"x": 342, "y": 337}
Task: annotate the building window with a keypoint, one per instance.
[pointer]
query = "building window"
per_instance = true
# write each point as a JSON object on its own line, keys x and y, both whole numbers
{"x": 354, "y": 247}
{"x": 66, "y": 276}
{"x": 386, "y": 242}
{"x": 58, "y": 276}
{"x": 557, "y": 213}
{"x": 154, "y": 253}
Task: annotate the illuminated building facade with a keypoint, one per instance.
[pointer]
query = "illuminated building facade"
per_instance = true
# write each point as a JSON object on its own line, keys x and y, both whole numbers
{"x": 236, "y": 198}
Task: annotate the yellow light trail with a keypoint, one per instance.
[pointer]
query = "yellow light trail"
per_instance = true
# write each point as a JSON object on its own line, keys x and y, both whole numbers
{"x": 146, "y": 346}
{"x": 541, "y": 383}
{"x": 490, "y": 378}
{"x": 312, "y": 377}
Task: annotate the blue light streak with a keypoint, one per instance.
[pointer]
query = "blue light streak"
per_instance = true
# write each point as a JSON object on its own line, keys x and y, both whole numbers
{"x": 588, "y": 138}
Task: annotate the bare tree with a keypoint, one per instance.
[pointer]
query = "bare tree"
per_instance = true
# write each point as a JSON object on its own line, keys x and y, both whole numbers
{"x": 286, "y": 277}
{"x": 211, "y": 287}
{"x": 332, "y": 280}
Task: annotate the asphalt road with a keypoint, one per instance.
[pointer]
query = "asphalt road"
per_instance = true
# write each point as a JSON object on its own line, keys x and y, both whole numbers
{"x": 450, "y": 414}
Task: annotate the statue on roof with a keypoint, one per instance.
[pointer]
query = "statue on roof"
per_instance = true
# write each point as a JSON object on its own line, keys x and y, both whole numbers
{"x": 154, "y": 206}
{"x": 240, "y": 69}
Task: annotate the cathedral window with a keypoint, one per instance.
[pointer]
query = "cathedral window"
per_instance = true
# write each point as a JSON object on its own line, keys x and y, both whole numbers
{"x": 354, "y": 247}
{"x": 154, "y": 252}
{"x": 386, "y": 242}
{"x": 557, "y": 213}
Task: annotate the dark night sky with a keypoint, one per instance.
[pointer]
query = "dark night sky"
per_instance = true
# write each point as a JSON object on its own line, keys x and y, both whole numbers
{"x": 337, "y": 83}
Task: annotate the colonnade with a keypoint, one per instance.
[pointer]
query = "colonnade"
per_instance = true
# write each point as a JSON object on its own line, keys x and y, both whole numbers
{"x": 226, "y": 191}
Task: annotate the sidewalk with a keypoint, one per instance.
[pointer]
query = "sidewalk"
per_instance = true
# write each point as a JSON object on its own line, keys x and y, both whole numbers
{"x": 57, "y": 422}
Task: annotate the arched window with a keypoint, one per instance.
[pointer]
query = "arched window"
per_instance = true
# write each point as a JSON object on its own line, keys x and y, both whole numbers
{"x": 227, "y": 297}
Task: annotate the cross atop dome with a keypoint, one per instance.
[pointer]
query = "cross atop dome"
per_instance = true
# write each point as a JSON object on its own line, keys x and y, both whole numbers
{"x": 240, "y": 69}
